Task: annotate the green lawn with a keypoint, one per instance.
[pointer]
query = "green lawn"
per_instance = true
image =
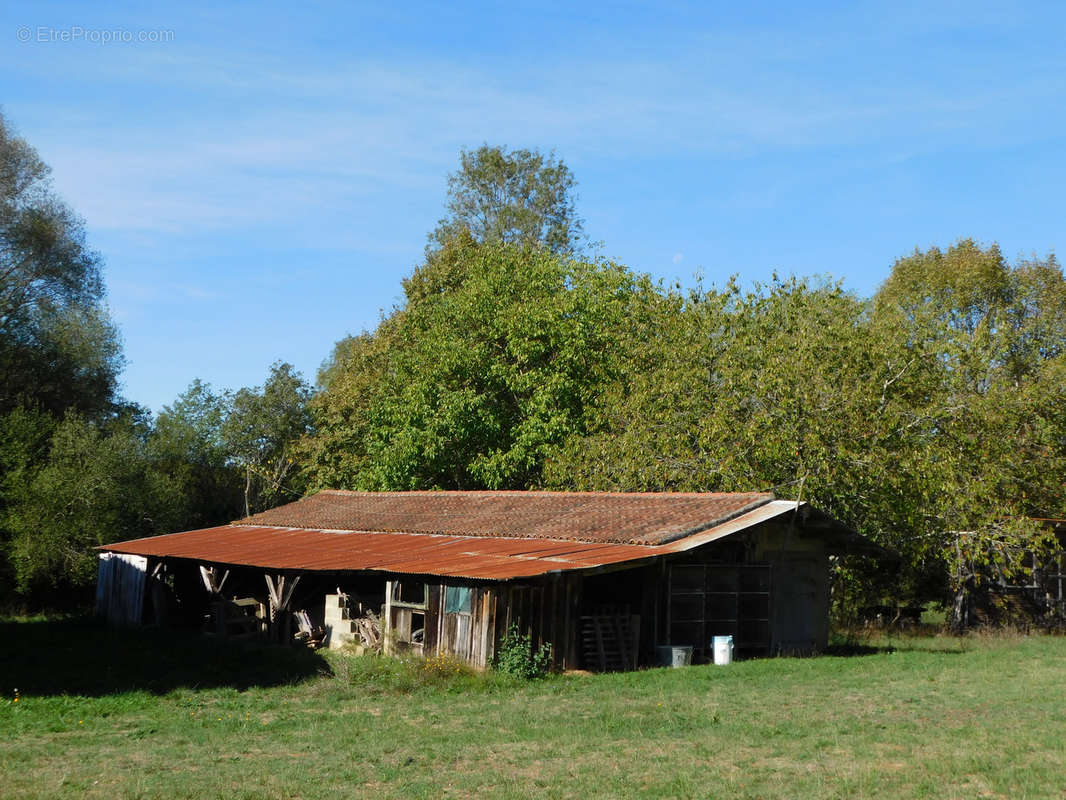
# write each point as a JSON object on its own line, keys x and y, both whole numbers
{"x": 114, "y": 715}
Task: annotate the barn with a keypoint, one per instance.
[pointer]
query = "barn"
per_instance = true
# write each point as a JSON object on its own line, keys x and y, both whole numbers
{"x": 607, "y": 579}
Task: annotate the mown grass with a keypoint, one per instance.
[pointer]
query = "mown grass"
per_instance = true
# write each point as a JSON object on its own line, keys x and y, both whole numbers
{"x": 142, "y": 714}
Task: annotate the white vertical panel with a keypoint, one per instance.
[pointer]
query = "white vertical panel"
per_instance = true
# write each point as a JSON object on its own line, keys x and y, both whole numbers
{"x": 125, "y": 588}
{"x": 104, "y": 575}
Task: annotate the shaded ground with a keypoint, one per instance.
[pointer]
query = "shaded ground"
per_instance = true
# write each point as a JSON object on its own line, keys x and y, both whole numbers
{"x": 81, "y": 656}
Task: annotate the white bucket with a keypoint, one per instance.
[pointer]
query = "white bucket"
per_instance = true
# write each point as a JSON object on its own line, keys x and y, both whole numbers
{"x": 675, "y": 655}
{"x": 723, "y": 649}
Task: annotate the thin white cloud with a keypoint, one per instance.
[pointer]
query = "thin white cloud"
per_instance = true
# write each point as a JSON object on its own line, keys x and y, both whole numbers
{"x": 264, "y": 140}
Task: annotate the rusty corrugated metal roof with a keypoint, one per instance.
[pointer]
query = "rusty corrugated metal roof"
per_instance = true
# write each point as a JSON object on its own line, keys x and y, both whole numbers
{"x": 413, "y": 553}
{"x": 484, "y": 535}
{"x": 646, "y": 518}
{"x": 495, "y": 544}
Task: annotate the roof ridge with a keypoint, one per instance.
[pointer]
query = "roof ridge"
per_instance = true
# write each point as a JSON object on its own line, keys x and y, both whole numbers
{"x": 720, "y": 521}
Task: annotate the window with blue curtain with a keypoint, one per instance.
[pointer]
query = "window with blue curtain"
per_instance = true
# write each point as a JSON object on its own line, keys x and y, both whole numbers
{"x": 458, "y": 600}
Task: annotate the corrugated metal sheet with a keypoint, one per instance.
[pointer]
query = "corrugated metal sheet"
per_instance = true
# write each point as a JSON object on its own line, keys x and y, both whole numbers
{"x": 649, "y": 518}
{"x": 282, "y": 547}
{"x": 415, "y": 553}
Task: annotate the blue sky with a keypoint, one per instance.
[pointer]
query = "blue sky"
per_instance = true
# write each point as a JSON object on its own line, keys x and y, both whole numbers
{"x": 260, "y": 181}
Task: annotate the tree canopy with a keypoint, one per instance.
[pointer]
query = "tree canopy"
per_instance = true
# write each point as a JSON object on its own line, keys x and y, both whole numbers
{"x": 512, "y": 197}
{"x": 472, "y": 386}
{"x": 261, "y": 429}
{"x": 58, "y": 347}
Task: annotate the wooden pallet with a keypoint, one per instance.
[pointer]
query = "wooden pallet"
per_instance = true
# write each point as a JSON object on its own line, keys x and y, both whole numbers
{"x": 609, "y": 642}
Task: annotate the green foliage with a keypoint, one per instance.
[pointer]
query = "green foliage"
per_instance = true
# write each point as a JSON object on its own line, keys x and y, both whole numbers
{"x": 475, "y": 384}
{"x": 91, "y": 489}
{"x": 783, "y": 388}
{"x": 513, "y": 197}
{"x": 516, "y": 656}
{"x": 260, "y": 432}
{"x": 78, "y": 466}
{"x": 930, "y": 417}
{"x": 990, "y": 414}
{"x": 190, "y": 429}
{"x": 24, "y": 440}
{"x": 186, "y": 443}
{"x": 59, "y": 361}
{"x": 58, "y": 349}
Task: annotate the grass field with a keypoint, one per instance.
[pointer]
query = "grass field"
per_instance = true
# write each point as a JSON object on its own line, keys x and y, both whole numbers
{"x": 104, "y": 714}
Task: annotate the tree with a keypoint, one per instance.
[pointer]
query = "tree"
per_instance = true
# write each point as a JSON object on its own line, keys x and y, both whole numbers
{"x": 261, "y": 431}
{"x": 187, "y": 444}
{"x": 95, "y": 486}
{"x": 474, "y": 385}
{"x": 59, "y": 360}
{"x": 58, "y": 349}
{"x": 780, "y": 388}
{"x": 513, "y": 197}
{"x": 993, "y": 452}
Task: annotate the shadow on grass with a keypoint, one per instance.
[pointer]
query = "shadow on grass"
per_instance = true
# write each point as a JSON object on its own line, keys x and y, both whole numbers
{"x": 880, "y": 643}
{"x": 85, "y": 657}
{"x": 856, "y": 649}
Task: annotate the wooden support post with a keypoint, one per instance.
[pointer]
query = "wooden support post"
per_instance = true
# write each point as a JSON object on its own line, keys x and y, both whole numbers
{"x": 272, "y": 590}
{"x": 600, "y": 652}
{"x": 623, "y": 640}
{"x": 158, "y": 594}
{"x": 212, "y": 582}
{"x": 280, "y": 589}
{"x": 386, "y": 625}
{"x": 289, "y": 589}
{"x": 207, "y": 574}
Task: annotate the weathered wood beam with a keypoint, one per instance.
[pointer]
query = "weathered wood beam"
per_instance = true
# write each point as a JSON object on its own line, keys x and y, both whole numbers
{"x": 272, "y": 590}
{"x": 211, "y": 579}
{"x": 280, "y": 588}
{"x": 386, "y": 628}
{"x": 286, "y": 597}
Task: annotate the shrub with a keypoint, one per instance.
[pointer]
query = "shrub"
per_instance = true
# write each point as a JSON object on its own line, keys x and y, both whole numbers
{"x": 517, "y": 658}
{"x": 443, "y": 669}
{"x": 376, "y": 674}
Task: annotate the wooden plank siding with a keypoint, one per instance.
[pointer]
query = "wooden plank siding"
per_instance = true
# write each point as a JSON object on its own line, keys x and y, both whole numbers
{"x": 469, "y": 637}
{"x": 546, "y": 610}
{"x": 549, "y": 609}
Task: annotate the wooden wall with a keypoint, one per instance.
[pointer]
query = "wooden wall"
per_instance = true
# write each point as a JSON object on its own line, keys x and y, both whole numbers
{"x": 120, "y": 580}
{"x": 800, "y": 621}
{"x": 545, "y": 609}
{"x": 781, "y": 598}
{"x": 796, "y": 582}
